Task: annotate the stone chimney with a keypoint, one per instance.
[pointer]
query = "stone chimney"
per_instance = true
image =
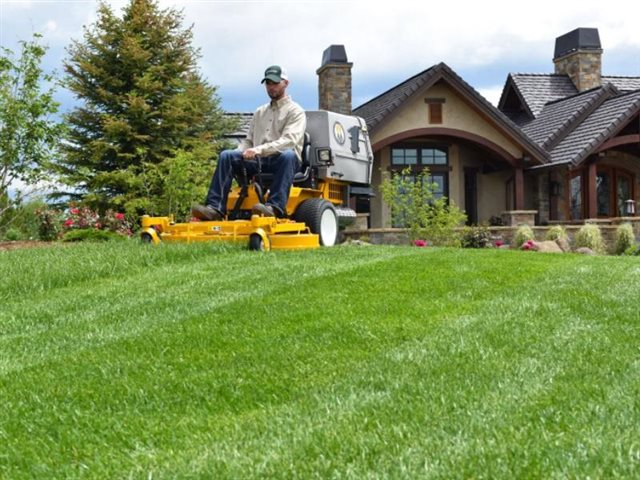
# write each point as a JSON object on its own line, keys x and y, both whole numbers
{"x": 579, "y": 55}
{"x": 334, "y": 81}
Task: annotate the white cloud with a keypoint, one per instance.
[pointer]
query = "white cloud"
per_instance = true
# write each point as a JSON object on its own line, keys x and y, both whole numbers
{"x": 386, "y": 41}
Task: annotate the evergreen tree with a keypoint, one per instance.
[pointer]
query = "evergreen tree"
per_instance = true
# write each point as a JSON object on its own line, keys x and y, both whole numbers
{"x": 144, "y": 105}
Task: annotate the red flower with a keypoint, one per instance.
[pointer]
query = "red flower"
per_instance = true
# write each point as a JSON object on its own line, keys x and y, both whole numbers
{"x": 420, "y": 243}
{"x": 68, "y": 223}
{"x": 74, "y": 211}
{"x": 119, "y": 216}
{"x": 498, "y": 243}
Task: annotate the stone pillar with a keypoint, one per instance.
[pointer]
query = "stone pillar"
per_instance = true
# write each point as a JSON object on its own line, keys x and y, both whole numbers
{"x": 578, "y": 55}
{"x": 334, "y": 81}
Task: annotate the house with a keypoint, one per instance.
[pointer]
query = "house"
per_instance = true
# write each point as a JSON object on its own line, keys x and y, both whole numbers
{"x": 561, "y": 147}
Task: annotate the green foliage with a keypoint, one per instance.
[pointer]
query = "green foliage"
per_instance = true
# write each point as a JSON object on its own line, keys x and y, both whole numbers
{"x": 413, "y": 205}
{"x": 29, "y": 137}
{"x": 590, "y": 236}
{"x": 12, "y": 234}
{"x": 22, "y": 218}
{"x": 625, "y": 239}
{"x": 478, "y": 236}
{"x": 144, "y": 108}
{"x": 50, "y": 223}
{"x": 523, "y": 235}
{"x": 556, "y": 232}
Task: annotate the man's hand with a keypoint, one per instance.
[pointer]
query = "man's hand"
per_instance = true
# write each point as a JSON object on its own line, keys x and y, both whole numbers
{"x": 249, "y": 153}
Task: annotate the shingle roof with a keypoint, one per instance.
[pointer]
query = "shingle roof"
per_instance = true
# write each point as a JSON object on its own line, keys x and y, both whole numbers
{"x": 243, "y": 120}
{"x": 379, "y": 108}
{"x": 376, "y": 109}
{"x": 537, "y": 90}
{"x": 557, "y": 118}
{"x": 624, "y": 84}
{"x": 604, "y": 122}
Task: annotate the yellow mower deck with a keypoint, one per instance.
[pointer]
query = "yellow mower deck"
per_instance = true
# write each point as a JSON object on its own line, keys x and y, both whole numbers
{"x": 261, "y": 233}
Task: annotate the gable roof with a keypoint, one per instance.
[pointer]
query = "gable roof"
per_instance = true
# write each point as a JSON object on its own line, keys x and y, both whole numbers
{"x": 606, "y": 121}
{"x": 378, "y": 110}
{"x": 536, "y": 90}
{"x": 557, "y": 118}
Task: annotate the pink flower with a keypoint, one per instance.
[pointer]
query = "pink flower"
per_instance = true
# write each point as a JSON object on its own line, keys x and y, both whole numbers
{"x": 498, "y": 243}
{"x": 98, "y": 225}
{"x": 74, "y": 211}
{"x": 68, "y": 223}
{"x": 420, "y": 243}
{"x": 119, "y": 216}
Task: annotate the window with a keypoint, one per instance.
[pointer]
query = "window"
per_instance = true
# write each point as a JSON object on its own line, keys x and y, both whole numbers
{"x": 575, "y": 200}
{"x": 603, "y": 193}
{"x": 436, "y": 158}
{"x": 623, "y": 192}
{"x": 614, "y": 187}
{"x": 416, "y": 157}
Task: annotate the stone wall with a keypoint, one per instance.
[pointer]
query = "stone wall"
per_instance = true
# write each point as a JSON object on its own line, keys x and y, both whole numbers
{"x": 584, "y": 67}
{"x": 399, "y": 236}
{"x": 334, "y": 87}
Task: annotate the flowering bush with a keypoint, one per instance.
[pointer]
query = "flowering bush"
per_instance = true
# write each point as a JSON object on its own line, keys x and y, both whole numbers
{"x": 55, "y": 224}
{"x": 528, "y": 245}
{"x": 420, "y": 243}
{"x": 498, "y": 243}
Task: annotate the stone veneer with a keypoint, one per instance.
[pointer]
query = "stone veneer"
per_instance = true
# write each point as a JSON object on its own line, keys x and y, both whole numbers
{"x": 584, "y": 67}
{"x": 334, "y": 87}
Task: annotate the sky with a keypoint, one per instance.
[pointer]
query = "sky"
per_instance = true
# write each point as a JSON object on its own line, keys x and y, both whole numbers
{"x": 387, "y": 41}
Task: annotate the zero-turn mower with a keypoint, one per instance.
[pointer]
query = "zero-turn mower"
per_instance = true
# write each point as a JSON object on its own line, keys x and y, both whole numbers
{"x": 336, "y": 167}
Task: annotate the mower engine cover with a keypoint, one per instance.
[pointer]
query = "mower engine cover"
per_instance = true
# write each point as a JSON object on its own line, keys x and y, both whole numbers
{"x": 347, "y": 139}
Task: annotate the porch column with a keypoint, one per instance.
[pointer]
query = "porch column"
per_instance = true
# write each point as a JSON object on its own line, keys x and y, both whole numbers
{"x": 519, "y": 185}
{"x": 591, "y": 194}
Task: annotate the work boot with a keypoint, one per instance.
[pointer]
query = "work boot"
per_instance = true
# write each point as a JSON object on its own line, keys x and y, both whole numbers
{"x": 207, "y": 213}
{"x": 266, "y": 210}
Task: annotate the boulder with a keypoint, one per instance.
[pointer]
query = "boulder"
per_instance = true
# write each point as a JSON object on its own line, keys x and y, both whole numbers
{"x": 563, "y": 243}
{"x": 585, "y": 251}
{"x": 547, "y": 246}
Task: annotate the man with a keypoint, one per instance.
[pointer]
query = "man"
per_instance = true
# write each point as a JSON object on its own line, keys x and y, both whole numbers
{"x": 276, "y": 135}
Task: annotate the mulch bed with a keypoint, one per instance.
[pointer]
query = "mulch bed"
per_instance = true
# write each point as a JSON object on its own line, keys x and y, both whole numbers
{"x": 24, "y": 244}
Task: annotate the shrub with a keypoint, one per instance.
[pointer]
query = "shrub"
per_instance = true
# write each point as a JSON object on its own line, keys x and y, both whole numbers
{"x": 478, "y": 236}
{"x": 557, "y": 232}
{"x": 625, "y": 238}
{"x": 590, "y": 236}
{"x": 50, "y": 225}
{"x": 523, "y": 235}
{"x": 496, "y": 221}
{"x": 13, "y": 234}
{"x": 414, "y": 206}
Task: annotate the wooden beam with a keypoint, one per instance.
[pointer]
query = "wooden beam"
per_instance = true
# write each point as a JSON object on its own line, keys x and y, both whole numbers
{"x": 519, "y": 180}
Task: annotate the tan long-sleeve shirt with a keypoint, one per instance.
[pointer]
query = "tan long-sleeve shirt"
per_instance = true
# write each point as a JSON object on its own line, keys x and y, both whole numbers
{"x": 275, "y": 127}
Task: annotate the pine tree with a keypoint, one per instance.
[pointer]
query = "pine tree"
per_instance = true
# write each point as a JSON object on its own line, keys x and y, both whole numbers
{"x": 144, "y": 105}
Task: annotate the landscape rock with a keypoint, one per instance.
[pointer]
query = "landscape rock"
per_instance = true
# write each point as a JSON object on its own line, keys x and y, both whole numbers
{"x": 585, "y": 251}
{"x": 547, "y": 246}
{"x": 563, "y": 243}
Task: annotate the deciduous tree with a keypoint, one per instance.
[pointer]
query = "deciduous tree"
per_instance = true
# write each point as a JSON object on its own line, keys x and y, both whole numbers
{"x": 29, "y": 131}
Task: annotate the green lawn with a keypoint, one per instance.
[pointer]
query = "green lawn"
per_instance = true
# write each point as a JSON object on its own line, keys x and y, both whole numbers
{"x": 195, "y": 361}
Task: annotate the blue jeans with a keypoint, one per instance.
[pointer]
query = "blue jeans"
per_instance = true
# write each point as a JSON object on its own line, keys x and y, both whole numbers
{"x": 283, "y": 166}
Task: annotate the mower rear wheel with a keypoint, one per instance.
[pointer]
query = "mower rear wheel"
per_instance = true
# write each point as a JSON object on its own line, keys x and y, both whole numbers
{"x": 256, "y": 243}
{"x": 321, "y": 218}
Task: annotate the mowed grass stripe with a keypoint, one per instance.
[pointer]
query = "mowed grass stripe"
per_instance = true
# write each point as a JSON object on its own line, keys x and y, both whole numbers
{"x": 64, "y": 320}
{"x": 421, "y": 363}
